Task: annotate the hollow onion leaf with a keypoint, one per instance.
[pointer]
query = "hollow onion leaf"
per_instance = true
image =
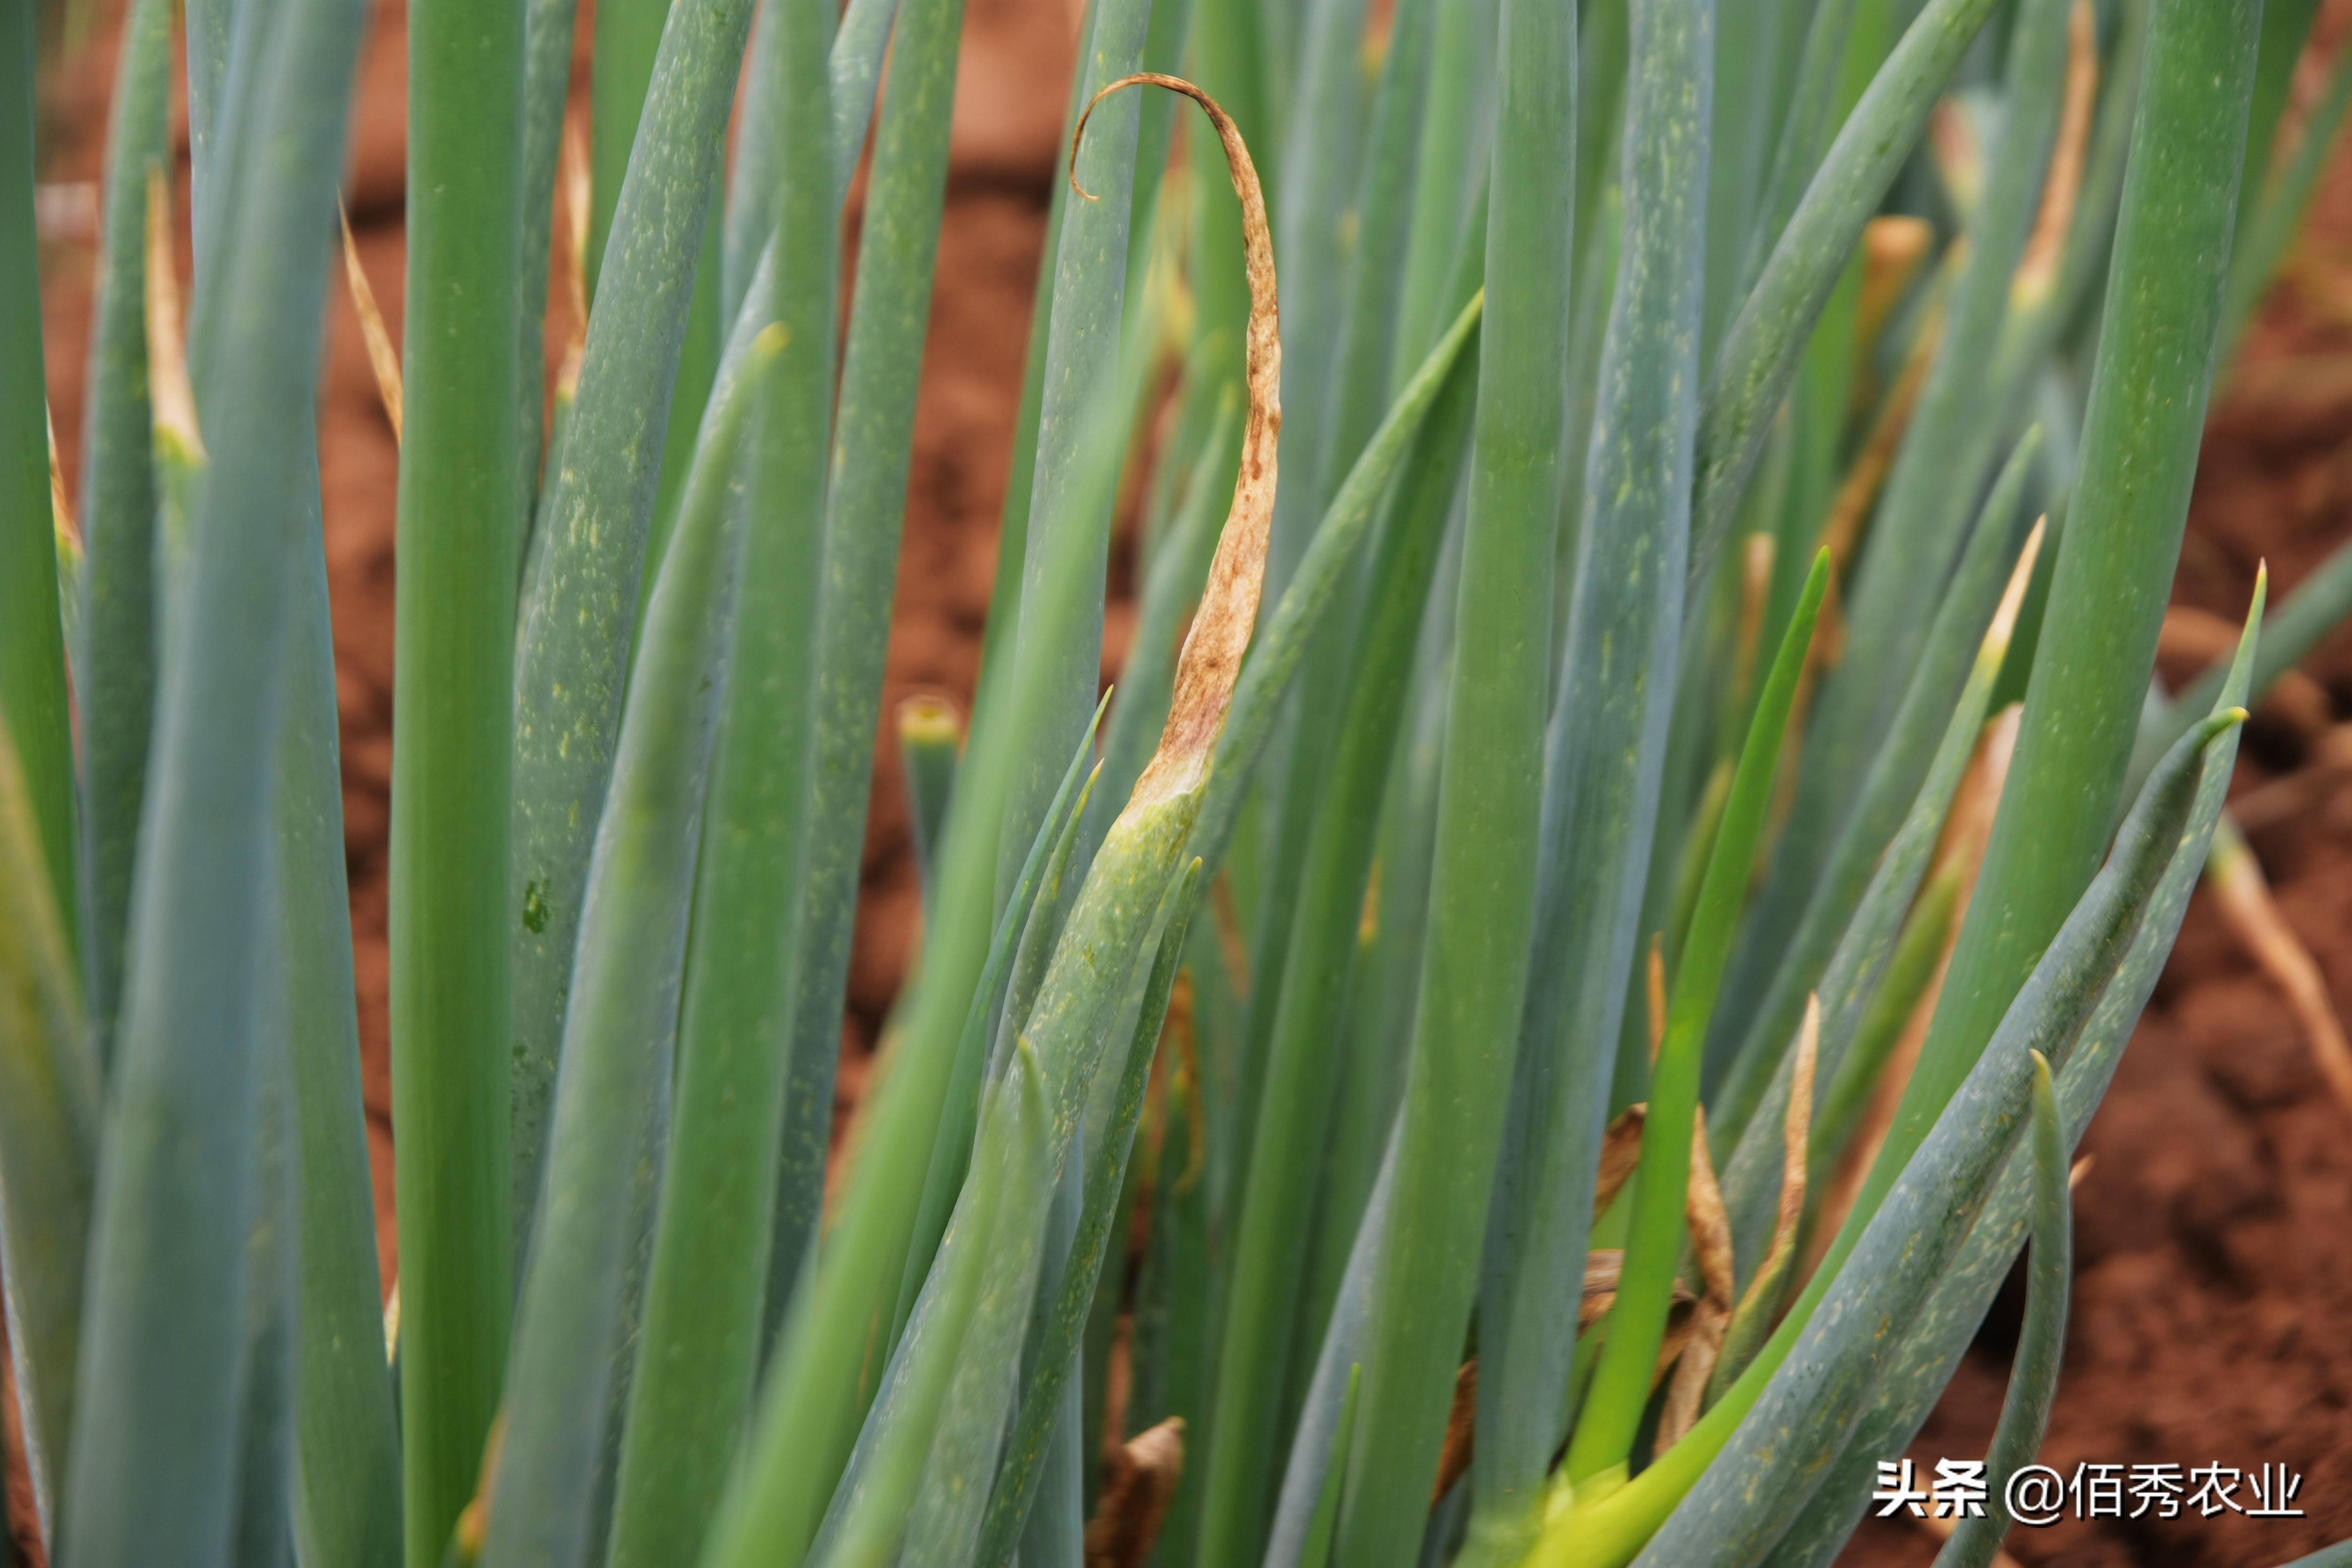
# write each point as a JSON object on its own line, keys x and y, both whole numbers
{"x": 346, "y": 1453}
{"x": 1910, "y": 968}
{"x": 1449, "y": 171}
{"x": 1068, "y": 1030}
{"x": 1058, "y": 656}
{"x": 547, "y": 27}
{"x": 864, "y": 499}
{"x": 1020, "y": 484}
{"x": 1932, "y": 488}
{"x": 1276, "y": 657}
{"x": 984, "y": 1035}
{"x": 1805, "y": 128}
{"x": 262, "y": 1519}
{"x": 2115, "y": 566}
{"x": 1948, "y": 447}
{"x": 929, "y": 740}
{"x": 1762, "y": 347}
{"x": 1913, "y": 1372}
{"x": 1614, "y": 1407}
{"x": 32, "y": 634}
{"x": 872, "y": 1505}
{"x": 1347, "y": 169}
{"x": 1483, "y": 893}
{"x": 1793, "y": 1409}
{"x": 2336, "y": 1556}
{"x": 157, "y": 1402}
{"x": 2284, "y": 33}
{"x": 612, "y": 1094}
{"x": 1603, "y": 754}
{"x": 2041, "y": 1341}
{"x": 1295, "y": 753}
{"x": 459, "y": 515}
{"x": 1322, "y": 151}
{"x": 1180, "y": 1275}
{"x": 2272, "y": 212}
{"x": 1306, "y": 1516}
{"x": 813, "y": 1395}
{"x": 1324, "y": 1523}
{"x": 1952, "y": 668}
{"x": 571, "y": 659}
{"x": 1263, "y": 1315}
{"x": 1381, "y": 232}
{"x": 114, "y": 667}
{"x": 1384, "y": 984}
{"x": 858, "y": 42}
{"x": 1055, "y": 1340}
{"x": 699, "y": 1347}
{"x": 49, "y": 1139}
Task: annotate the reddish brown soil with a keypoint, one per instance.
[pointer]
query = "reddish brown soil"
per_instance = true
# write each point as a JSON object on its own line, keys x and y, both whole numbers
{"x": 2215, "y": 1277}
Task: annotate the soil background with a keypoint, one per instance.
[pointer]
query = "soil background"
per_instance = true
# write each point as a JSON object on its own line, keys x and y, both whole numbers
{"x": 2213, "y": 1288}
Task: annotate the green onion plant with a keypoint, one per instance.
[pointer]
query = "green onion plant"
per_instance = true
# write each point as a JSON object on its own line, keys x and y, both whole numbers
{"x": 1649, "y": 574}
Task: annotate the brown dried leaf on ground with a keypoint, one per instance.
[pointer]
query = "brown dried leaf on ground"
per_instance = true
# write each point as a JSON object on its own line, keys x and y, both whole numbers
{"x": 2243, "y": 896}
{"x": 1139, "y": 1485}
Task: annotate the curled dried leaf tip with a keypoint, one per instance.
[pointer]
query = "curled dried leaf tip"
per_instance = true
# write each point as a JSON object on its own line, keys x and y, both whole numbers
{"x": 1212, "y": 657}
{"x": 1710, "y": 1234}
{"x": 1702, "y": 1212}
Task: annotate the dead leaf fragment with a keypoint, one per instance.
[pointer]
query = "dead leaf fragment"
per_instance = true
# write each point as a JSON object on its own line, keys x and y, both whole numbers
{"x": 1139, "y": 1484}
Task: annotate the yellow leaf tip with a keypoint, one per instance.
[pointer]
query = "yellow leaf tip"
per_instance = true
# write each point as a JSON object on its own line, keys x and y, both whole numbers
{"x": 928, "y": 716}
